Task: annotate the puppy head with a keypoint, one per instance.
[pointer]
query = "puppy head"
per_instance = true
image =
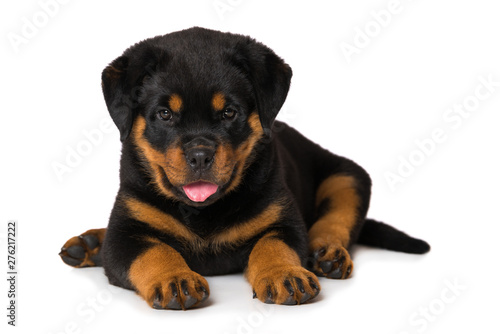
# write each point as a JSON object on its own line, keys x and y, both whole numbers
{"x": 196, "y": 104}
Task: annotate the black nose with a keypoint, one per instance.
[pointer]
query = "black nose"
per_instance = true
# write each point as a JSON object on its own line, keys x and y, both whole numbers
{"x": 200, "y": 158}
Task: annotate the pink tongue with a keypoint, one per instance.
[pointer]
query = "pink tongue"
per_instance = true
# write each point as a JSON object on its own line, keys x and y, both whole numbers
{"x": 200, "y": 191}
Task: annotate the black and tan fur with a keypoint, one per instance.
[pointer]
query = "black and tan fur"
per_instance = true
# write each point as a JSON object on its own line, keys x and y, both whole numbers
{"x": 201, "y": 105}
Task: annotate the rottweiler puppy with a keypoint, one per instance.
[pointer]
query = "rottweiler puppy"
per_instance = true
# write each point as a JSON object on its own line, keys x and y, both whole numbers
{"x": 211, "y": 184}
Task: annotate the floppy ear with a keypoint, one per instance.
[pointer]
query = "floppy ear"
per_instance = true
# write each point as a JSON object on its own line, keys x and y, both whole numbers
{"x": 121, "y": 85}
{"x": 270, "y": 77}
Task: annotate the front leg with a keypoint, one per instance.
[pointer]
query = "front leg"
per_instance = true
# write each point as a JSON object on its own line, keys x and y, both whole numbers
{"x": 135, "y": 258}
{"x": 161, "y": 276}
{"x": 276, "y": 275}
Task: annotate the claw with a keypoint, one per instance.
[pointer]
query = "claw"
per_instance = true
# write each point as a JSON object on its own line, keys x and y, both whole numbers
{"x": 300, "y": 285}
{"x": 319, "y": 253}
{"x": 348, "y": 272}
{"x": 90, "y": 240}
{"x": 314, "y": 286}
{"x": 289, "y": 287}
{"x": 204, "y": 292}
{"x": 157, "y": 301}
{"x": 173, "y": 288}
{"x": 269, "y": 299}
{"x": 336, "y": 257}
{"x": 184, "y": 287}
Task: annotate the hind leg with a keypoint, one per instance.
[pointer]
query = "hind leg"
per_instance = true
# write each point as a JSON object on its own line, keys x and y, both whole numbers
{"x": 341, "y": 202}
{"x": 84, "y": 250}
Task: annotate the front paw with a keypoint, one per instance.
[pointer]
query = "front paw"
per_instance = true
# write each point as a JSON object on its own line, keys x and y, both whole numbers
{"x": 287, "y": 285}
{"x": 331, "y": 261}
{"x": 179, "y": 291}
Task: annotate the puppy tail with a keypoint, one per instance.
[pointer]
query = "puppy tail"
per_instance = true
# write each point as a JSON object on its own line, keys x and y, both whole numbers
{"x": 380, "y": 235}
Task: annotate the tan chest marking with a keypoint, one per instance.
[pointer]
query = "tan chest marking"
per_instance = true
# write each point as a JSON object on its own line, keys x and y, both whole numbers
{"x": 230, "y": 237}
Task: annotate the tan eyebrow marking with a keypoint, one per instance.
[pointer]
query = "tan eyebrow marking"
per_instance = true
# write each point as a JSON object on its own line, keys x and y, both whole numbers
{"x": 218, "y": 101}
{"x": 175, "y": 103}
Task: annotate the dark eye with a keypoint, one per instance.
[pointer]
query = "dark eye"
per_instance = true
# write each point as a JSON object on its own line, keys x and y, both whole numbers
{"x": 165, "y": 115}
{"x": 228, "y": 114}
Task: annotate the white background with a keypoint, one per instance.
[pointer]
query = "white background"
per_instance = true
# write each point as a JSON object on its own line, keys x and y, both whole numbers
{"x": 393, "y": 92}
